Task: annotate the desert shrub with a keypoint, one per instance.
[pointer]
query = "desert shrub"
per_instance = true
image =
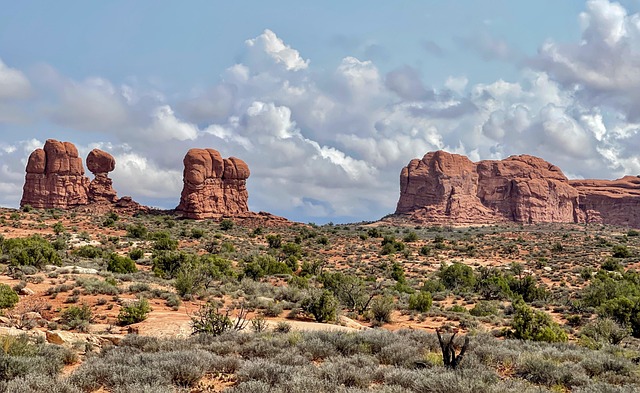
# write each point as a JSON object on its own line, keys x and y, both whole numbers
{"x": 31, "y": 251}
{"x": 381, "y": 309}
{"x": 197, "y": 233}
{"x": 164, "y": 241}
{"x": 136, "y": 253}
{"x": 420, "y": 301}
{"x": 603, "y": 331}
{"x": 611, "y": 265}
{"x": 351, "y": 291}
{"x": 274, "y": 241}
{"x": 527, "y": 288}
{"x": 226, "y": 224}
{"x": 120, "y": 264}
{"x": 258, "y": 266}
{"x": 95, "y": 286}
{"x": 620, "y": 251}
{"x": 8, "y": 297}
{"x": 88, "y": 251}
{"x": 323, "y": 306}
{"x": 199, "y": 273}
{"x": 625, "y": 311}
{"x": 484, "y": 309}
{"x": 210, "y": 320}
{"x": 77, "y": 317}
{"x": 457, "y": 276}
{"x": 37, "y": 383}
{"x": 166, "y": 264}
{"x": 133, "y": 312}
{"x": 530, "y": 324}
{"x": 138, "y": 231}
{"x": 410, "y": 237}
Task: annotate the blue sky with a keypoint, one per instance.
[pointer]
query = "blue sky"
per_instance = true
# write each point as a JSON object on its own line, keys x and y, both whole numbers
{"x": 326, "y": 101}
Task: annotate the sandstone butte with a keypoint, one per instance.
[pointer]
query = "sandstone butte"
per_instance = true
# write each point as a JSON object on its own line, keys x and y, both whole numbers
{"x": 55, "y": 179}
{"x": 213, "y": 186}
{"x": 449, "y": 188}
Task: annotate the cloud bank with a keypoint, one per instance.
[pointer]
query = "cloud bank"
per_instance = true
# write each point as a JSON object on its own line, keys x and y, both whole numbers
{"x": 329, "y": 144}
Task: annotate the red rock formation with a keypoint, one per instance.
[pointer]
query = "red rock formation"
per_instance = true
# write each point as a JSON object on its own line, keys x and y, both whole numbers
{"x": 55, "y": 177}
{"x": 100, "y": 163}
{"x": 615, "y": 202}
{"x": 213, "y": 186}
{"x": 444, "y": 187}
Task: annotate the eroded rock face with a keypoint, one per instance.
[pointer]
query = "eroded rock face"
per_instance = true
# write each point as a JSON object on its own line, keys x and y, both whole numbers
{"x": 213, "y": 186}
{"x": 100, "y": 163}
{"x": 55, "y": 177}
{"x": 444, "y": 187}
{"x": 615, "y": 202}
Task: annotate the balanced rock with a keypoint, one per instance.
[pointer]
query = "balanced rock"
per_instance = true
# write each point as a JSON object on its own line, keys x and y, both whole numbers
{"x": 445, "y": 187}
{"x": 213, "y": 186}
{"x": 55, "y": 177}
{"x": 100, "y": 163}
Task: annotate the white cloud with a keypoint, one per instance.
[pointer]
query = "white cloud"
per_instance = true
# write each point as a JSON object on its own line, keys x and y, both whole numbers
{"x": 13, "y": 83}
{"x": 269, "y": 44}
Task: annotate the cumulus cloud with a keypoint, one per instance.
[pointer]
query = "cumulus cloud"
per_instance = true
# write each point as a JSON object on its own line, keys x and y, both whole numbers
{"x": 327, "y": 143}
{"x": 13, "y": 83}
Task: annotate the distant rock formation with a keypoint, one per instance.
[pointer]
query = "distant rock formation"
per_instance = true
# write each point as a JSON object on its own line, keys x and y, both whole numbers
{"x": 213, "y": 186}
{"x": 449, "y": 188}
{"x": 100, "y": 163}
{"x": 55, "y": 179}
{"x": 615, "y": 202}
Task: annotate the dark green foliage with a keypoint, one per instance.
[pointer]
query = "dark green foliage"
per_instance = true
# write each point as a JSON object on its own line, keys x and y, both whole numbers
{"x": 612, "y": 265}
{"x": 164, "y": 242}
{"x": 374, "y": 232}
{"x": 258, "y": 266}
{"x": 30, "y": 251}
{"x": 77, "y": 317}
{"x": 274, "y": 241}
{"x": 484, "y": 308}
{"x": 197, "y": 233}
{"x": 120, "y": 264}
{"x": 226, "y": 224}
{"x": 420, "y": 301}
{"x": 138, "y": 231}
{"x": 199, "y": 274}
{"x": 88, "y": 251}
{"x": 166, "y": 264}
{"x": 211, "y": 321}
{"x": 136, "y": 254}
{"x": 530, "y": 324}
{"x": 133, "y": 312}
{"x": 381, "y": 309}
{"x": 8, "y": 297}
{"x": 603, "y": 331}
{"x": 457, "y": 276}
{"x": 410, "y": 237}
{"x": 323, "y": 306}
{"x": 620, "y": 251}
{"x": 350, "y": 290}
{"x": 391, "y": 246}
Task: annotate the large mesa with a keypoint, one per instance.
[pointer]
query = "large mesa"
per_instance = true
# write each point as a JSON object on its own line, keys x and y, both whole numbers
{"x": 213, "y": 186}
{"x": 449, "y": 188}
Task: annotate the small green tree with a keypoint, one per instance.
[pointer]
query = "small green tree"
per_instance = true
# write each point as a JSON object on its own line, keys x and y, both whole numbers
{"x": 8, "y": 297}
{"x": 457, "y": 276}
{"x": 530, "y": 324}
{"x": 120, "y": 264}
{"x": 420, "y": 301}
{"x": 323, "y": 307}
{"x": 226, "y": 224}
{"x": 134, "y": 312}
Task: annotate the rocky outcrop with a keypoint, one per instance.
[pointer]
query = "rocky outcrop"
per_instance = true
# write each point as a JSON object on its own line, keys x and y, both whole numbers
{"x": 444, "y": 187}
{"x": 55, "y": 179}
{"x": 213, "y": 186}
{"x": 615, "y": 202}
{"x": 100, "y": 163}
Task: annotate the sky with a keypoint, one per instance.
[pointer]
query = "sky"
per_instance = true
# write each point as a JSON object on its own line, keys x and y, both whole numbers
{"x": 325, "y": 101}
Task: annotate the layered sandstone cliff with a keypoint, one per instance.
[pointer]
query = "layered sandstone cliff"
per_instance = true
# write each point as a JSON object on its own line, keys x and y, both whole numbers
{"x": 213, "y": 186}
{"x": 445, "y": 187}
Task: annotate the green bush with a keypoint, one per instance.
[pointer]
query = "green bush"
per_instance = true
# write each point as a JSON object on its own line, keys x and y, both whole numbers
{"x": 484, "y": 309}
{"x": 138, "y": 231}
{"x": 8, "y": 297}
{"x": 530, "y": 324}
{"x": 136, "y": 253}
{"x": 274, "y": 241}
{"x": 264, "y": 265}
{"x": 30, "y": 251}
{"x": 620, "y": 251}
{"x": 76, "y": 317}
{"x": 226, "y": 224}
{"x": 420, "y": 301}
{"x": 166, "y": 264}
{"x": 381, "y": 309}
{"x": 88, "y": 251}
{"x": 134, "y": 312}
{"x": 457, "y": 276}
{"x": 120, "y": 264}
{"x": 322, "y": 306}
